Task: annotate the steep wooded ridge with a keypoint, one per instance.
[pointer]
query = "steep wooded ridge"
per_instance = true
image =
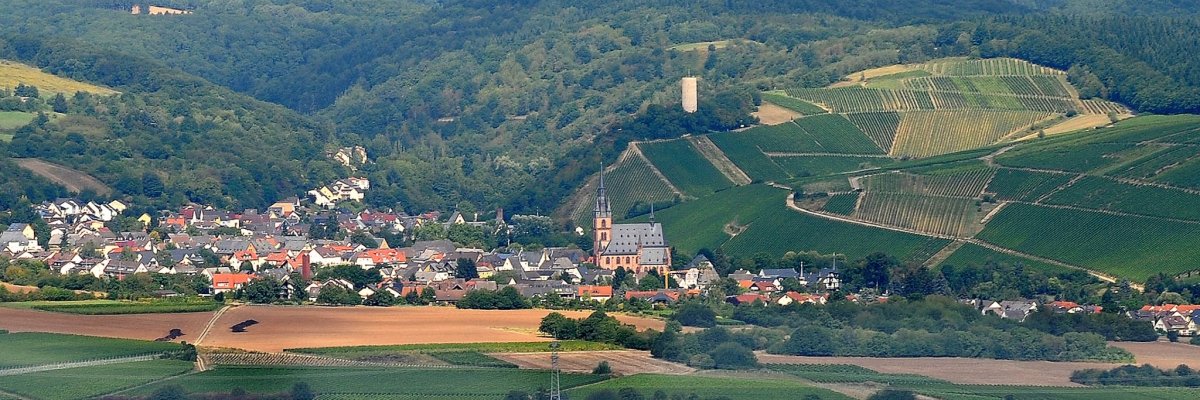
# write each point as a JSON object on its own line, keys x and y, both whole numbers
{"x": 502, "y": 113}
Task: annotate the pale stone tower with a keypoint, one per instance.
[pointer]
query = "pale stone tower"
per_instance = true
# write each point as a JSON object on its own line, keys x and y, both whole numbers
{"x": 690, "y": 97}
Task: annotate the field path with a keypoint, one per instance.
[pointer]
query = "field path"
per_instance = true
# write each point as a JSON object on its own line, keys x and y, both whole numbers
{"x": 212, "y": 321}
{"x": 73, "y": 180}
{"x": 718, "y": 159}
{"x": 90, "y": 363}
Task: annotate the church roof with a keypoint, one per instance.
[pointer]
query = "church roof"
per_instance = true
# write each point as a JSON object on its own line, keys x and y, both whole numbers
{"x": 626, "y": 238}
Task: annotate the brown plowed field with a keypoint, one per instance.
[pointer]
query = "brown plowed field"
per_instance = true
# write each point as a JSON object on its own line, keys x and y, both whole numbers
{"x": 969, "y": 371}
{"x": 281, "y": 327}
{"x": 1164, "y": 355}
{"x": 133, "y": 326}
{"x": 771, "y": 114}
{"x": 75, "y": 181}
{"x": 623, "y": 362}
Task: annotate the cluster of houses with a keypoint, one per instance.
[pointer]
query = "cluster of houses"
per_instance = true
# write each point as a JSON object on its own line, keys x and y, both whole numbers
{"x": 341, "y": 190}
{"x": 1178, "y": 318}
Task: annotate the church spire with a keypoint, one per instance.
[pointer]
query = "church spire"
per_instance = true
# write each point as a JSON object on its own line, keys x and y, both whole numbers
{"x": 651, "y": 213}
{"x": 603, "y": 209}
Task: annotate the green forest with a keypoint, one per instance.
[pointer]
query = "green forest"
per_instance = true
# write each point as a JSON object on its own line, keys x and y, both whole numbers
{"x": 475, "y": 104}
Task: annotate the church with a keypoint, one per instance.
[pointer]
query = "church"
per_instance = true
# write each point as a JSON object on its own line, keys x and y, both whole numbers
{"x": 639, "y": 247}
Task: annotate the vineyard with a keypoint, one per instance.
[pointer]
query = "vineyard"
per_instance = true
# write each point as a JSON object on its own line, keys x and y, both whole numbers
{"x": 29, "y": 349}
{"x": 780, "y": 230}
{"x": 975, "y": 255}
{"x": 1126, "y": 246}
{"x": 90, "y": 382}
{"x": 1105, "y": 194}
{"x": 701, "y": 223}
{"x": 929, "y": 133}
{"x": 990, "y": 66}
{"x": 945, "y": 216}
{"x": 835, "y": 134}
{"x": 800, "y": 166}
{"x": 879, "y": 126}
{"x": 1019, "y": 185}
{"x": 630, "y": 182}
{"x": 842, "y": 203}
{"x": 967, "y": 183}
{"x": 457, "y": 383}
{"x": 685, "y": 167}
{"x": 797, "y": 105}
{"x": 1150, "y": 167}
{"x": 1075, "y": 158}
{"x": 742, "y": 149}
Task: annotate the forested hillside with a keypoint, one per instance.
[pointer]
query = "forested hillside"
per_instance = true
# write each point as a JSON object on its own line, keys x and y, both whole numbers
{"x": 477, "y": 104}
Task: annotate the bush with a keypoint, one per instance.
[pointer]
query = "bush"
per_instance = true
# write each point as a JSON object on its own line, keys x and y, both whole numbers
{"x": 696, "y": 314}
{"x": 893, "y": 394}
{"x": 1173, "y": 336}
{"x": 1195, "y": 340}
{"x": 606, "y": 394}
{"x": 602, "y": 368}
{"x": 809, "y": 341}
{"x": 703, "y": 361}
{"x": 302, "y": 391}
{"x": 733, "y": 356}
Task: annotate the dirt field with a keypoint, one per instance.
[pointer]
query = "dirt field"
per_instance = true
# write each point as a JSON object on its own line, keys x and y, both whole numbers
{"x": 138, "y": 326}
{"x": 1163, "y": 354}
{"x": 280, "y": 328}
{"x": 18, "y": 288}
{"x": 623, "y": 362}
{"x": 770, "y": 114}
{"x": 73, "y": 180}
{"x": 970, "y": 371}
{"x": 1078, "y": 122}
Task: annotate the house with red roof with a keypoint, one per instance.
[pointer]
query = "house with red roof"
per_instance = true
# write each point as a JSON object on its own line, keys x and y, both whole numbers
{"x": 222, "y": 283}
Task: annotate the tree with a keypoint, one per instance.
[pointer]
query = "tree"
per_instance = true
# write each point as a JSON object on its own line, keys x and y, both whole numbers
{"x": 695, "y": 314}
{"x": 892, "y": 394}
{"x": 262, "y": 290}
{"x": 171, "y": 392}
{"x": 466, "y": 269}
{"x": 336, "y": 295}
{"x": 559, "y": 326}
{"x": 59, "y": 104}
{"x": 602, "y": 368}
{"x": 732, "y": 355}
{"x": 809, "y": 341}
{"x": 382, "y": 298}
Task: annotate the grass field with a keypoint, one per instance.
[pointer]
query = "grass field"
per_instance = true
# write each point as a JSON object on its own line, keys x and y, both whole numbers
{"x": 392, "y": 383}
{"x": 15, "y": 119}
{"x": 12, "y": 73}
{"x": 29, "y": 349}
{"x": 113, "y": 307}
{"x": 355, "y": 352}
{"x": 685, "y": 167}
{"x": 1129, "y": 247}
{"x": 709, "y": 386}
{"x": 971, "y": 254}
{"x": 89, "y": 382}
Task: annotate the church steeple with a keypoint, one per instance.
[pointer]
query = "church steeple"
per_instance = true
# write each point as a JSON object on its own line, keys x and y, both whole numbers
{"x": 652, "y": 213}
{"x": 603, "y": 208}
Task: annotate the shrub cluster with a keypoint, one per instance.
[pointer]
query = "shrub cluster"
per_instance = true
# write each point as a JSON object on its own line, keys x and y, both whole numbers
{"x": 1145, "y": 375}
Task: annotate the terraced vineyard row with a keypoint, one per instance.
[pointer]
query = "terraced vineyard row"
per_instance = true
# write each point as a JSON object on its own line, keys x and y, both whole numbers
{"x": 1102, "y": 107}
{"x": 841, "y": 203}
{"x": 629, "y": 183}
{"x": 742, "y": 149}
{"x": 879, "y": 126}
{"x": 858, "y": 99}
{"x": 969, "y": 183}
{"x": 930, "y": 133}
{"x": 801, "y": 166}
{"x": 1152, "y": 166}
{"x": 989, "y": 66}
{"x": 937, "y": 215}
{"x": 1035, "y": 85}
{"x": 1105, "y": 194}
{"x": 1125, "y": 246}
{"x": 1018, "y": 185}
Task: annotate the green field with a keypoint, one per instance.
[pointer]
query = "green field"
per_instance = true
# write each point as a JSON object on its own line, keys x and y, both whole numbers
{"x": 972, "y": 254}
{"x": 794, "y": 104}
{"x": 354, "y": 352}
{"x": 29, "y": 349}
{"x": 1105, "y": 194}
{"x": 1130, "y": 247}
{"x": 15, "y": 119}
{"x": 392, "y": 383}
{"x": 685, "y": 167}
{"x": 89, "y": 382}
{"x": 709, "y": 386}
{"x": 850, "y": 374}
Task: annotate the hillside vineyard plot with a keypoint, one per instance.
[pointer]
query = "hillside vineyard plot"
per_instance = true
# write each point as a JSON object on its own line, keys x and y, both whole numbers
{"x": 991, "y": 66}
{"x": 742, "y": 148}
{"x": 1125, "y": 246}
{"x": 1019, "y": 185}
{"x": 948, "y": 216}
{"x": 929, "y": 133}
{"x": 836, "y": 134}
{"x": 630, "y": 182}
{"x": 1105, "y": 194}
{"x": 879, "y": 126}
{"x": 685, "y": 167}
{"x": 968, "y": 183}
